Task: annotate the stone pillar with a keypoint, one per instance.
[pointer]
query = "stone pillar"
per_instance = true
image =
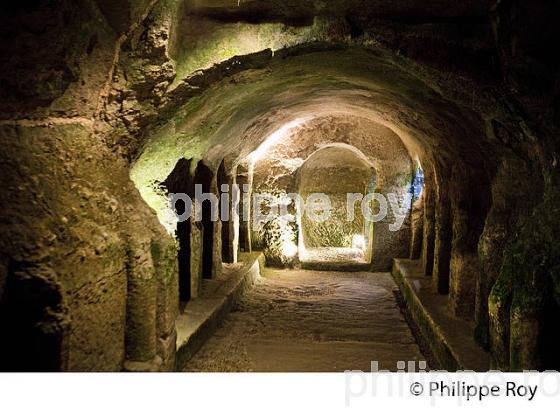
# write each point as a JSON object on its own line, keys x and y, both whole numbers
{"x": 216, "y": 227}
{"x": 140, "y": 334}
{"x": 234, "y": 217}
{"x": 245, "y": 182}
{"x": 230, "y": 223}
{"x": 196, "y": 257}
{"x": 165, "y": 262}
{"x": 389, "y": 243}
{"x": 470, "y": 203}
{"x": 498, "y": 228}
{"x": 464, "y": 265}
{"x": 428, "y": 225}
{"x": 443, "y": 234}
{"x": 417, "y": 228}
{"x": 381, "y": 259}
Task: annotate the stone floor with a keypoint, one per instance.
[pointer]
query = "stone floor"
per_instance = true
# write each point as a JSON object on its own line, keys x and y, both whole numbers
{"x": 300, "y": 320}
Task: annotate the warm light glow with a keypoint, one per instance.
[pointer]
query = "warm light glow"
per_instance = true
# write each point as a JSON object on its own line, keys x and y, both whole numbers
{"x": 274, "y": 138}
{"x": 358, "y": 241}
{"x": 289, "y": 249}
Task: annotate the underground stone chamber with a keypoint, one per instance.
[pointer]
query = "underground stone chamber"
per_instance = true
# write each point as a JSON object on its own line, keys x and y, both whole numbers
{"x": 453, "y": 112}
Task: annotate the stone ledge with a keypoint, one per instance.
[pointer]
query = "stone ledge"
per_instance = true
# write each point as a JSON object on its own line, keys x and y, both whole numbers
{"x": 450, "y": 338}
{"x": 202, "y": 316}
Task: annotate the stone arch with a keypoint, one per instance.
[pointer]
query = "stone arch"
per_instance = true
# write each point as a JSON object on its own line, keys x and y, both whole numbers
{"x": 335, "y": 170}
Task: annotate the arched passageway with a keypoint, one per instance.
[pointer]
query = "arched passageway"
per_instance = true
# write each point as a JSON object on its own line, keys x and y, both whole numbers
{"x": 128, "y": 103}
{"x": 437, "y": 204}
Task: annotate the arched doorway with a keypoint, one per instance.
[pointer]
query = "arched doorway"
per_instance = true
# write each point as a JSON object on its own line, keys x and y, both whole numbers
{"x": 337, "y": 176}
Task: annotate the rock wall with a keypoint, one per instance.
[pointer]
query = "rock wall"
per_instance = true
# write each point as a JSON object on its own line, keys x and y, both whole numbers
{"x": 75, "y": 229}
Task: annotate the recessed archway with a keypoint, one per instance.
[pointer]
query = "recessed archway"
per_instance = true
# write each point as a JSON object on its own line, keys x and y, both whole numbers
{"x": 336, "y": 174}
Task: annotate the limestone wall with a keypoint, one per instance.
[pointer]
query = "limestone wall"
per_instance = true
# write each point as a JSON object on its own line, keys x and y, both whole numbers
{"x": 87, "y": 270}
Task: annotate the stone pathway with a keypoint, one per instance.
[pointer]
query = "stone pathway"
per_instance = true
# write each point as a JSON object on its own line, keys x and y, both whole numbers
{"x": 300, "y": 320}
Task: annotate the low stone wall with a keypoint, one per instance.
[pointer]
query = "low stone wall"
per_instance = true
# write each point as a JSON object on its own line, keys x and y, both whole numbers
{"x": 450, "y": 338}
{"x": 202, "y": 316}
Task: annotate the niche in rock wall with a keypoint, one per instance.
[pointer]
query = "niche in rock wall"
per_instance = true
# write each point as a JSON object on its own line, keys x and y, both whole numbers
{"x": 335, "y": 174}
